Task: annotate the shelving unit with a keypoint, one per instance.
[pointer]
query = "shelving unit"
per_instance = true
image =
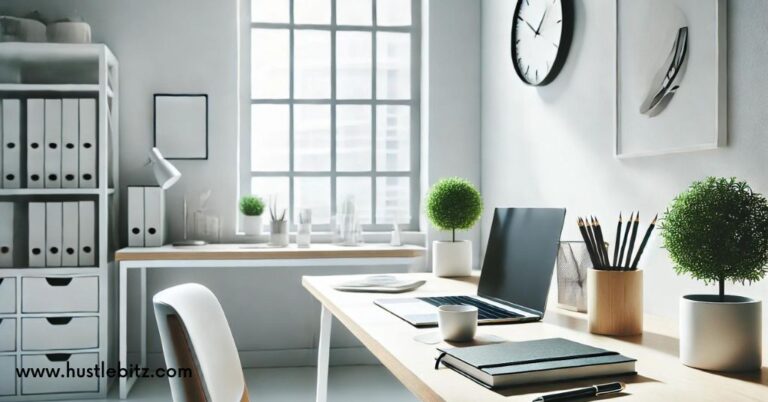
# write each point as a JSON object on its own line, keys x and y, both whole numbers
{"x": 65, "y": 295}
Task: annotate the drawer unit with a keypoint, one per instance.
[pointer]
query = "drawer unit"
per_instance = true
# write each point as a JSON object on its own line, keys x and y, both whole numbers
{"x": 60, "y": 294}
{"x": 7, "y": 334}
{"x": 7, "y": 375}
{"x": 7, "y": 295}
{"x": 78, "y": 363}
{"x": 52, "y": 333}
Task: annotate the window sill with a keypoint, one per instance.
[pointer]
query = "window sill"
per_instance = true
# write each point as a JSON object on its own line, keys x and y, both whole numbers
{"x": 406, "y": 237}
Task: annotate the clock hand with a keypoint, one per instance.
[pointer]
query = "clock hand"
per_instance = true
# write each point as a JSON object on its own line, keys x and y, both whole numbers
{"x": 529, "y": 26}
{"x": 541, "y": 22}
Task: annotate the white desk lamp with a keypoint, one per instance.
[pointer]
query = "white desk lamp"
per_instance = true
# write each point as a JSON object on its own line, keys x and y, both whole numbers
{"x": 166, "y": 176}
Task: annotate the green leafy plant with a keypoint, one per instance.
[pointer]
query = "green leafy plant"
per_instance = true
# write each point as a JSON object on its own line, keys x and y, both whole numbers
{"x": 453, "y": 204}
{"x": 717, "y": 230}
{"x": 251, "y": 205}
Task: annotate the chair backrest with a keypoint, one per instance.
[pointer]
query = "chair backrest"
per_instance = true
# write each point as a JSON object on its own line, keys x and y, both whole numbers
{"x": 195, "y": 334}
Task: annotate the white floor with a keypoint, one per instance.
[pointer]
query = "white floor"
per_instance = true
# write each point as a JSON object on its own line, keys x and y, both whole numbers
{"x": 296, "y": 384}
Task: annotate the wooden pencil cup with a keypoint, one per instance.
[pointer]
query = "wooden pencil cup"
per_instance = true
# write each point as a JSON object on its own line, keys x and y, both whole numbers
{"x": 615, "y": 302}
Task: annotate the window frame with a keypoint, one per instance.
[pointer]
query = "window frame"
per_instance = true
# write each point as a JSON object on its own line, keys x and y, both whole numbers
{"x": 414, "y": 102}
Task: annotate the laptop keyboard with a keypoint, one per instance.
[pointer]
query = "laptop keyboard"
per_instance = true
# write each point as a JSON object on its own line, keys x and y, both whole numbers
{"x": 485, "y": 311}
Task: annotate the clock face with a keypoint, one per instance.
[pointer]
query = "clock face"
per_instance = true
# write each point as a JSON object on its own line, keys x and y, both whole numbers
{"x": 540, "y": 39}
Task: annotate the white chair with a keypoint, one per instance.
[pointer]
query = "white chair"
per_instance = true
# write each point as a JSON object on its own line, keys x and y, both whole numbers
{"x": 195, "y": 334}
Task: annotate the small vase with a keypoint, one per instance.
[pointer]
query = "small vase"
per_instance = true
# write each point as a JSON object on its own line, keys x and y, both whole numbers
{"x": 721, "y": 336}
{"x": 615, "y": 302}
{"x": 252, "y": 225}
{"x": 452, "y": 258}
{"x": 278, "y": 235}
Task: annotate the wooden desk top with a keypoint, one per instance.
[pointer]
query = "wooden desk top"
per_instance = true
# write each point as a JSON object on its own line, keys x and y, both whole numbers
{"x": 661, "y": 377}
{"x": 262, "y": 251}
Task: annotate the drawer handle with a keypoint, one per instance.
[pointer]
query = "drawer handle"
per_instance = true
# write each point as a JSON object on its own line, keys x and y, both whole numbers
{"x": 58, "y": 320}
{"x": 58, "y": 281}
{"x": 58, "y": 357}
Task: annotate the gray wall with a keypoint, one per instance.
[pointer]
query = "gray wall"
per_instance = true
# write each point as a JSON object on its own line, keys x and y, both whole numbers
{"x": 553, "y": 146}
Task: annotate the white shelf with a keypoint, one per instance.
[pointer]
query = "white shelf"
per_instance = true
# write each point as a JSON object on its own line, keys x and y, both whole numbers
{"x": 38, "y": 53}
{"x": 94, "y": 88}
{"x": 51, "y": 191}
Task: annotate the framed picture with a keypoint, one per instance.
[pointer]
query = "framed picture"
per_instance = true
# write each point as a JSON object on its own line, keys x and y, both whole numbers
{"x": 181, "y": 125}
{"x": 670, "y": 76}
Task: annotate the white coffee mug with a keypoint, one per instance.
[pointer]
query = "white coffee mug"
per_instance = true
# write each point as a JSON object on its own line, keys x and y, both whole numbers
{"x": 458, "y": 323}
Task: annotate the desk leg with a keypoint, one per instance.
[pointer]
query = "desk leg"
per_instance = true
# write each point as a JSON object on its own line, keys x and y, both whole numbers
{"x": 123, "y": 323}
{"x": 143, "y": 316}
{"x": 323, "y": 350}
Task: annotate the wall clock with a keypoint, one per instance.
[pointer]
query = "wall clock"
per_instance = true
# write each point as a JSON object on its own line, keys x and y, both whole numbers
{"x": 541, "y": 36}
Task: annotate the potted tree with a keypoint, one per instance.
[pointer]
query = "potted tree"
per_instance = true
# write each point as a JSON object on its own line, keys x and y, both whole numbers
{"x": 717, "y": 231}
{"x": 252, "y": 207}
{"x": 453, "y": 204}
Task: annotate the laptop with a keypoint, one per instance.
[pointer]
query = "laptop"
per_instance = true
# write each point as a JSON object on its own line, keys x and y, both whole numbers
{"x": 516, "y": 275}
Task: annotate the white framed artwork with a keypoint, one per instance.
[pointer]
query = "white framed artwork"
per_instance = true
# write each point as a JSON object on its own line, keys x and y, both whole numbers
{"x": 670, "y": 76}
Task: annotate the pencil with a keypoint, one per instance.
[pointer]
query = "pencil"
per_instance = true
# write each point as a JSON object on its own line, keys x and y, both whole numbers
{"x": 624, "y": 241}
{"x": 616, "y": 244}
{"x": 593, "y": 239}
{"x": 644, "y": 242}
{"x": 631, "y": 247}
{"x": 600, "y": 241}
{"x": 587, "y": 241}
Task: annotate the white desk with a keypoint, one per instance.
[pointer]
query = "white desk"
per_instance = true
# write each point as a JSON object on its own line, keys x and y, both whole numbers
{"x": 661, "y": 376}
{"x": 235, "y": 256}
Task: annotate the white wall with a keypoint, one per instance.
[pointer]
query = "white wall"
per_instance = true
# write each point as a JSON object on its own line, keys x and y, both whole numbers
{"x": 553, "y": 146}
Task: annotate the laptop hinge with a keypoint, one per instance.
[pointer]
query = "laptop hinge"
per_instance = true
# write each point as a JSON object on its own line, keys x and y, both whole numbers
{"x": 513, "y": 305}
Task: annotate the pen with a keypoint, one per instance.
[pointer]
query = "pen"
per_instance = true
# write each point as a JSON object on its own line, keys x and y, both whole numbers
{"x": 588, "y": 392}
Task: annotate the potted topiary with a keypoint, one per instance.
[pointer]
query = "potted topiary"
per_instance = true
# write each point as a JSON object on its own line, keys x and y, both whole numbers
{"x": 717, "y": 231}
{"x": 453, "y": 204}
{"x": 252, "y": 207}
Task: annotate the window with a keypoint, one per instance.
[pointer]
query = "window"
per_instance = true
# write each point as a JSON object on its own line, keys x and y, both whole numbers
{"x": 334, "y": 98}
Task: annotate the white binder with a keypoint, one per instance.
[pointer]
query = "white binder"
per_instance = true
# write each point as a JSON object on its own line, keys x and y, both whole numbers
{"x": 53, "y": 232}
{"x": 53, "y": 143}
{"x": 154, "y": 214}
{"x": 6, "y": 234}
{"x": 35, "y": 143}
{"x": 37, "y": 234}
{"x": 87, "y": 143}
{"x": 1, "y": 142}
{"x": 11, "y": 142}
{"x": 70, "y": 127}
{"x": 135, "y": 216}
{"x": 70, "y": 226}
{"x": 87, "y": 238}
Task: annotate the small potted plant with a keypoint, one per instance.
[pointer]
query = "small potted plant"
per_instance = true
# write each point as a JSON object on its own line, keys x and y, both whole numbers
{"x": 717, "y": 231}
{"x": 252, "y": 207}
{"x": 453, "y": 204}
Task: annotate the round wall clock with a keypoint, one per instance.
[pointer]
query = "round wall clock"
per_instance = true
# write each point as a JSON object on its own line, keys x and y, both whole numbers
{"x": 541, "y": 36}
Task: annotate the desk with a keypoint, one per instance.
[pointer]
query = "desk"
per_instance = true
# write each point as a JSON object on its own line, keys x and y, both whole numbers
{"x": 238, "y": 256}
{"x": 661, "y": 377}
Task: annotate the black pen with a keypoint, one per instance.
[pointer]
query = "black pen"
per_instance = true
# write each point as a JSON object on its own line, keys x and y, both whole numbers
{"x": 588, "y": 392}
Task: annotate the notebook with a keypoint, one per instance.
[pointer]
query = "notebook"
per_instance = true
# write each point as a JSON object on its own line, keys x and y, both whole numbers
{"x": 545, "y": 360}
{"x": 379, "y": 284}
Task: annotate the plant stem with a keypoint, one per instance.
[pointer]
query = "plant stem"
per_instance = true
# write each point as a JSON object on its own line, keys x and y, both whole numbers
{"x": 722, "y": 289}
{"x": 453, "y": 239}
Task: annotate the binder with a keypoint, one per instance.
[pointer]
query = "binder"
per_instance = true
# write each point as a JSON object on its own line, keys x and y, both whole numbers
{"x": 87, "y": 143}
{"x": 135, "y": 216}
{"x": 70, "y": 127}
{"x": 37, "y": 234}
{"x": 6, "y": 234}
{"x": 1, "y": 142}
{"x": 87, "y": 239}
{"x": 35, "y": 140}
{"x": 53, "y": 143}
{"x": 70, "y": 226}
{"x": 11, "y": 142}
{"x": 53, "y": 232}
{"x": 154, "y": 216}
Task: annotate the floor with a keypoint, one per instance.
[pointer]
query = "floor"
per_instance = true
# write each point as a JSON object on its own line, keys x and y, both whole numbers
{"x": 345, "y": 384}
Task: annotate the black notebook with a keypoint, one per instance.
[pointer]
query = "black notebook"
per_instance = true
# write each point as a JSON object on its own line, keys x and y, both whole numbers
{"x": 545, "y": 360}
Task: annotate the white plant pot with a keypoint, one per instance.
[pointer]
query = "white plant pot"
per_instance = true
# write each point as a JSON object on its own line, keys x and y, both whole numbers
{"x": 452, "y": 258}
{"x": 720, "y": 336}
{"x": 252, "y": 225}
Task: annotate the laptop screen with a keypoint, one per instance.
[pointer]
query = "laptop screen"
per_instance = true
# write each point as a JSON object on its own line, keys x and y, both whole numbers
{"x": 521, "y": 254}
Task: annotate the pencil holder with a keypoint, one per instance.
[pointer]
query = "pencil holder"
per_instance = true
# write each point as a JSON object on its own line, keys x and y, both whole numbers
{"x": 615, "y": 304}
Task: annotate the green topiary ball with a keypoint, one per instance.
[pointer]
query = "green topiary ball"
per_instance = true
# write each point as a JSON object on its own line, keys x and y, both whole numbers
{"x": 251, "y": 205}
{"x": 717, "y": 230}
{"x": 453, "y": 204}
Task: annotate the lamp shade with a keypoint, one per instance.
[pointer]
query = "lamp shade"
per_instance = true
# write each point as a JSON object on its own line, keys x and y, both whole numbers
{"x": 166, "y": 174}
